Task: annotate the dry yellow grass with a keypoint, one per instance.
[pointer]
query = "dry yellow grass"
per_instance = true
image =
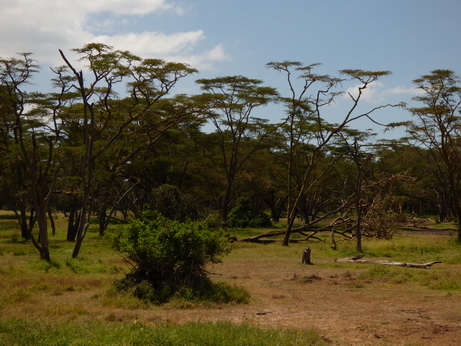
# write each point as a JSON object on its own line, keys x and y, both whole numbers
{"x": 348, "y": 304}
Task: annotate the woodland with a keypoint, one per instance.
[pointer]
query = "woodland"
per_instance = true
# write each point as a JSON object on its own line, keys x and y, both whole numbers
{"x": 113, "y": 139}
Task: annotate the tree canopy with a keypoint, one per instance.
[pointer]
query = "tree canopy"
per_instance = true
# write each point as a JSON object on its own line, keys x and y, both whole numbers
{"x": 115, "y": 137}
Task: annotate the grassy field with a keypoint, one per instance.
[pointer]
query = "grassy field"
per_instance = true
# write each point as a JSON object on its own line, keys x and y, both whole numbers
{"x": 71, "y": 301}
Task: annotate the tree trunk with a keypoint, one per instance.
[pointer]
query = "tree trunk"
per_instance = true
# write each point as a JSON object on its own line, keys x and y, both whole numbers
{"x": 226, "y": 200}
{"x": 42, "y": 220}
{"x": 72, "y": 224}
{"x": 291, "y": 220}
{"x": 53, "y": 225}
{"x": 79, "y": 240}
{"x": 102, "y": 222}
{"x": 23, "y": 222}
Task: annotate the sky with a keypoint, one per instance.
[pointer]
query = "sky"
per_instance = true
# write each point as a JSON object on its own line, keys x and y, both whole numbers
{"x": 410, "y": 38}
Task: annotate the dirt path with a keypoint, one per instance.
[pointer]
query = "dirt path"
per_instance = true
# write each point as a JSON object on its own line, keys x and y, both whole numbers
{"x": 332, "y": 299}
{"x": 342, "y": 308}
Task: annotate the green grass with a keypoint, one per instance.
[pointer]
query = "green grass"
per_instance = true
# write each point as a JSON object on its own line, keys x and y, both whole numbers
{"x": 401, "y": 249}
{"x": 22, "y": 332}
{"x": 29, "y": 286}
{"x": 443, "y": 280}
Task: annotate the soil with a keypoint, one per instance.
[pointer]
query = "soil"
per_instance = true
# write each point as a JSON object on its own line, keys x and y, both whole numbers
{"x": 341, "y": 307}
{"x": 344, "y": 308}
{"x": 327, "y": 297}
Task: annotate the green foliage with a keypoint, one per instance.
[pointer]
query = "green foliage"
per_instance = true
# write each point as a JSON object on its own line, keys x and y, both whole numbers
{"x": 441, "y": 280}
{"x": 23, "y": 332}
{"x": 169, "y": 257}
{"x": 244, "y": 214}
{"x": 169, "y": 201}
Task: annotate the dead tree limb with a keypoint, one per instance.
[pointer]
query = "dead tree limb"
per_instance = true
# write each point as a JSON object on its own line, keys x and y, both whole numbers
{"x": 257, "y": 238}
{"x": 301, "y": 230}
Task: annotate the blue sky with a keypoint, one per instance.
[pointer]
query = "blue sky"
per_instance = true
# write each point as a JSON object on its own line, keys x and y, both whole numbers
{"x": 408, "y": 37}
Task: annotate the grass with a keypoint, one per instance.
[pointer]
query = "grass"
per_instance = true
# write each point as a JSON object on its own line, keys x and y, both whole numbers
{"x": 71, "y": 301}
{"x": 20, "y": 331}
{"x": 29, "y": 287}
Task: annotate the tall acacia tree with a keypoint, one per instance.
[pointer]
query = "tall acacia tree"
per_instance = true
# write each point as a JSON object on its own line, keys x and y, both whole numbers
{"x": 438, "y": 128}
{"x": 13, "y": 180}
{"x": 232, "y": 101}
{"x": 35, "y": 148}
{"x": 106, "y": 119}
{"x": 308, "y": 100}
{"x": 354, "y": 148}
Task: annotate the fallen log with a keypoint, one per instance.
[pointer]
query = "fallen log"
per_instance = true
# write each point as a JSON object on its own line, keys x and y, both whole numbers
{"x": 424, "y": 228}
{"x": 300, "y": 230}
{"x": 257, "y": 238}
{"x": 358, "y": 259}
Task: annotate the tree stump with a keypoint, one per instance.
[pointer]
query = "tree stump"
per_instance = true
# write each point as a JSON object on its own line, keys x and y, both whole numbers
{"x": 306, "y": 257}
{"x": 333, "y": 241}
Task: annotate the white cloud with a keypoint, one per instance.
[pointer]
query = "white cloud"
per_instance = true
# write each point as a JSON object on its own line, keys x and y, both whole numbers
{"x": 42, "y": 27}
{"x": 407, "y": 91}
{"x": 127, "y": 7}
{"x": 205, "y": 60}
{"x": 154, "y": 43}
{"x": 374, "y": 93}
{"x": 377, "y": 93}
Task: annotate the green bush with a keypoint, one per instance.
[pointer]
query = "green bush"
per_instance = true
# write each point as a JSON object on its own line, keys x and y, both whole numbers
{"x": 244, "y": 214}
{"x": 169, "y": 258}
{"x": 169, "y": 201}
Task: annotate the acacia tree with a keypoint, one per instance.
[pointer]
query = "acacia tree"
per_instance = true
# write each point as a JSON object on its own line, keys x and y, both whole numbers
{"x": 309, "y": 102}
{"x": 352, "y": 142}
{"x": 13, "y": 181}
{"x": 106, "y": 119}
{"x": 232, "y": 101}
{"x": 35, "y": 146}
{"x": 438, "y": 128}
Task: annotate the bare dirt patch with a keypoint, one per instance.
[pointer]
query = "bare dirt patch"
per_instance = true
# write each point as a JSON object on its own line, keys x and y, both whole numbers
{"x": 345, "y": 309}
{"x": 333, "y": 299}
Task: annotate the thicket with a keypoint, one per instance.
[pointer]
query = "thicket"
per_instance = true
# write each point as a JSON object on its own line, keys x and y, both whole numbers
{"x": 87, "y": 151}
{"x": 169, "y": 259}
{"x": 246, "y": 214}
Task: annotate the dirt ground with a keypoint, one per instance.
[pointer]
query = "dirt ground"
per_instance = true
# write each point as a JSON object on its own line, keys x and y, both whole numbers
{"x": 342, "y": 308}
{"x": 332, "y": 299}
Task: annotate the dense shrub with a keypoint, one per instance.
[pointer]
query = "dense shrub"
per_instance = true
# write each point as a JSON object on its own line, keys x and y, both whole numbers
{"x": 169, "y": 258}
{"x": 169, "y": 201}
{"x": 244, "y": 214}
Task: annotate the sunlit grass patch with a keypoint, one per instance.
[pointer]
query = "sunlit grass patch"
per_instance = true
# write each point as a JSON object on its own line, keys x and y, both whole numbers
{"x": 70, "y": 312}
{"x": 436, "y": 279}
{"x": 20, "y": 331}
{"x": 444, "y": 280}
{"x": 120, "y": 300}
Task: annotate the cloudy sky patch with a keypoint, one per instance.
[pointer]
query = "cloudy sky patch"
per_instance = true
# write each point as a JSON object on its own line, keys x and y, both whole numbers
{"x": 42, "y": 27}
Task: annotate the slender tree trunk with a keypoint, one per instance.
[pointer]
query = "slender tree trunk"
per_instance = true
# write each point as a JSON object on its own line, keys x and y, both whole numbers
{"x": 71, "y": 223}
{"x": 79, "y": 240}
{"x": 358, "y": 225}
{"x": 361, "y": 172}
{"x": 23, "y": 222}
{"x": 102, "y": 221}
{"x": 83, "y": 224}
{"x": 227, "y": 199}
{"x": 53, "y": 225}
{"x": 290, "y": 222}
{"x": 42, "y": 219}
